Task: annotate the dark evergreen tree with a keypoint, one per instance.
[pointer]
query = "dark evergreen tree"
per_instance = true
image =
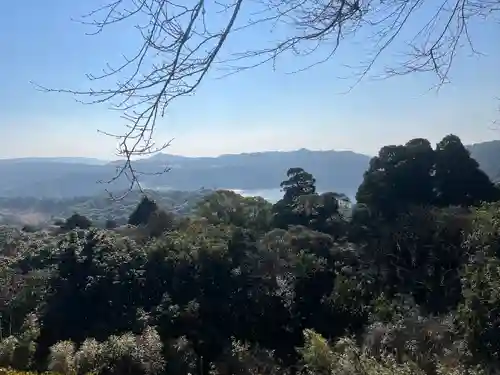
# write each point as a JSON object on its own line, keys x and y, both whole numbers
{"x": 299, "y": 183}
{"x": 399, "y": 177}
{"x": 143, "y": 212}
{"x": 160, "y": 222}
{"x": 76, "y": 221}
{"x": 458, "y": 179}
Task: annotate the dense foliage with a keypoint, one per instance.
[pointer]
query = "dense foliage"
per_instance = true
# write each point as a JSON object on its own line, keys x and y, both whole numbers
{"x": 406, "y": 282}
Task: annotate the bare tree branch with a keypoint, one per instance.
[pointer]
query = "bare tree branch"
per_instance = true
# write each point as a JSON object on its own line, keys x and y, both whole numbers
{"x": 180, "y": 45}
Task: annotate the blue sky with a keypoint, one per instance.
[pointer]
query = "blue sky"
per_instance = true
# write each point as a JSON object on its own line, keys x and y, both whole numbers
{"x": 255, "y": 110}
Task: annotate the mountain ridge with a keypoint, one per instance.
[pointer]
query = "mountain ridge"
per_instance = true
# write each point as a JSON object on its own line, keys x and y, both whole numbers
{"x": 340, "y": 171}
{"x": 56, "y": 159}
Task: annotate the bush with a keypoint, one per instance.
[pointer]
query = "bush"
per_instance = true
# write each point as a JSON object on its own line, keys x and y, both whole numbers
{"x": 89, "y": 357}
{"x": 346, "y": 358}
{"x": 76, "y": 221}
{"x": 7, "y": 350}
{"x": 126, "y": 354}
{"x": 160, "y": 222}
{"x": 62, "y": 358}
{"x": 8, "y": 371}
{"x": 129, "y": 354}
{"x": 26, "y": 348}
{"x": 142, "y": 212}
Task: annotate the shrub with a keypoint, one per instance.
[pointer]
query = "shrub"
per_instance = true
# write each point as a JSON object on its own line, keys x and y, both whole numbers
{"x": 25, "y": 350}
{"x": 126, "y": 354}
{"x": 7, "y": 350}
{"x": 77, "y": 221}
{"x": 129, "y": 354}
{"x": 88, "y": 358}
{"x": 62, "y": 358}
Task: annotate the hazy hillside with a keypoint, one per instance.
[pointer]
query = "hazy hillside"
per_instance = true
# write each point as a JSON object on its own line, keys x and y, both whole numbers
{"x": 488, "y": 156}
{"x": 68, "y": 159}
{"x": 99, "y": 208}
{"x": 340, "y": 171}
{"x": 337, "y": 171}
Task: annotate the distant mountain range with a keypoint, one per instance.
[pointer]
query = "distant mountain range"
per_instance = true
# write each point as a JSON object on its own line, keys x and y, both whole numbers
{"x": 340, "y": 171}
{"x": 63, "y": 159}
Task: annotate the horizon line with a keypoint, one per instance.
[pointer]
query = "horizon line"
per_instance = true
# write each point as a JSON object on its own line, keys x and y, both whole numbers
{"x": 4, "y": 158}
{"x": 214, "y": 156}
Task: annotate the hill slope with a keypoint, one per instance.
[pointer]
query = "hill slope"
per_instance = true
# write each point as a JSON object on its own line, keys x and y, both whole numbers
{"x": 488, "y": 156}
{"x": 98, "y": 208}
{"x": 340, "y": 171}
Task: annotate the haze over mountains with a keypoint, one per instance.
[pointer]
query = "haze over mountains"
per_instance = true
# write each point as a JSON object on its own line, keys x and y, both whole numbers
{"x": 340, "y": 171}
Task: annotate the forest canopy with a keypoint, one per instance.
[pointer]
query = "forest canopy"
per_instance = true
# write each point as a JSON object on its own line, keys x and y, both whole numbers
{"x": 403, "y": 282}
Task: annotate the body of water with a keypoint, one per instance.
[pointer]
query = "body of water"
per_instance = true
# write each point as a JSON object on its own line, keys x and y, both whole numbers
{"x": 272, "y": 195}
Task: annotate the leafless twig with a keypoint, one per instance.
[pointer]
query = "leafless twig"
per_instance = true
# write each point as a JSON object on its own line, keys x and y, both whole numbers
{"x": 180, "y": 45}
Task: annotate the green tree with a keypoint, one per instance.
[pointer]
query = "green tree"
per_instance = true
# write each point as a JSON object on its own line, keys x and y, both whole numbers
{"x": 326, "y": 213}
{"x": 399, "y": 177}
{"x": 96, "y": 289}
{"x": 458, "y": 178}
{"x": 160, "y": 222}
{"x": 230, "y": 208}
{"x": 191, "y": 288}
{"x": 143, "y": 211}
{"x": 420, "y": 254}
{"x": 299, "y": 183}
{"x": 76, "y": 221}
{"x": 478, "y": 316}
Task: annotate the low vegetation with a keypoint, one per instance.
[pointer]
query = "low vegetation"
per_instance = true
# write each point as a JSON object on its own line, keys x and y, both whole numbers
{"x": 40, "y": 212}
{"x": 404, "y": 283}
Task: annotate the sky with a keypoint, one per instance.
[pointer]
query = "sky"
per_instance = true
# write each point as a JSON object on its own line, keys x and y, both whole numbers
{"x": 255, "y": 110}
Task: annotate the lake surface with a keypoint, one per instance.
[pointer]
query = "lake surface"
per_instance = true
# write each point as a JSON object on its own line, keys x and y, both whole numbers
{"x": 272, "y": 195}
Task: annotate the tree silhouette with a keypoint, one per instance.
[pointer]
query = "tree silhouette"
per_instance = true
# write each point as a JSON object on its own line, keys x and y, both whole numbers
{"x": 143, "y": 212}
{"x": 76, "y": 221}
